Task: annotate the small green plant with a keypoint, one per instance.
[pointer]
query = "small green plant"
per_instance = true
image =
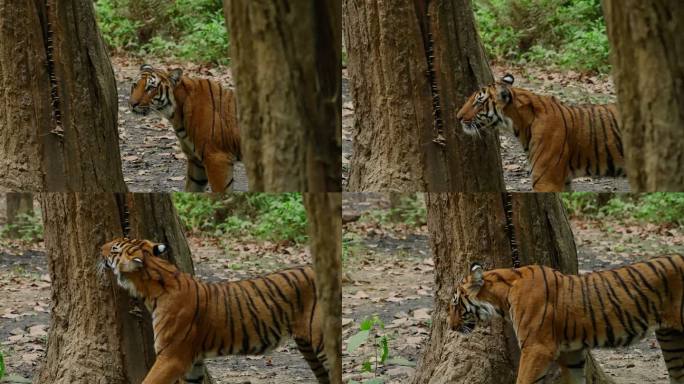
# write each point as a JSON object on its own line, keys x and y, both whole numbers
{"x": 2, "y": 366}
{"x": 410, "y": 210}
{"x": 658, "y": 208}
{"x": 28, "y": 227}
{"x": 372, "y": 328}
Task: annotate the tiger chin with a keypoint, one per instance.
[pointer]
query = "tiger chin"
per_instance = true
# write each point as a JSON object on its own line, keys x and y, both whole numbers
{"x": 558, "y": 317}
{"x": 561, "y": 141}
{"x": 193, "y": 320}
{"x": 204, "y": 119}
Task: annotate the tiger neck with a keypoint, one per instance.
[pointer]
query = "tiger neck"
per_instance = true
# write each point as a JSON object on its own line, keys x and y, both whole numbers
{"x": 522, "y": 114}
{"x": 180, "y": 94}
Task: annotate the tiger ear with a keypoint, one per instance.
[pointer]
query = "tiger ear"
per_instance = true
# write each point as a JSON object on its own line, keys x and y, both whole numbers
{"x": 146, "y": 68}
{"x": 138, "y": 261}
{"x": 476, "y": 277}
{"x": 175, "y": 75}
{"x": 508, "y": 79}
{"x": 159, "y": 249}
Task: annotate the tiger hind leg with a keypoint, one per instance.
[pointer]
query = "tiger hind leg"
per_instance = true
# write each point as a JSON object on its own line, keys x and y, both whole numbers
{"x": 572, "y": 366}
{"x": 220, "y": 172}
{"x": 672, "y": 344}
{"x": 316, "y": 359}
{"x": 534, "y": 364}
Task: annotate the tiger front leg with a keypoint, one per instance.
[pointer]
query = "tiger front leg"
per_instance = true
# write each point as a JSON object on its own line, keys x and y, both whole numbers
{"x": 572, "y": 365}
{"x": 167, "y": 369}
{"x": 196, "y": 177}
{"x": 220, "y": 171}
{"x": 672, "y": 345}
{"x": 534, "y": 364}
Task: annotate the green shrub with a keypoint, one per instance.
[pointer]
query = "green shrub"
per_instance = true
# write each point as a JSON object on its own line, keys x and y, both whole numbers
{"x": 2, "y": 366}
{"x": 29, "y": 227}
{"x": 658, "y": 208}
{"x": 186, "y": 29}
{"x": 264, "y": 216}
{"x": 560, "y": 33}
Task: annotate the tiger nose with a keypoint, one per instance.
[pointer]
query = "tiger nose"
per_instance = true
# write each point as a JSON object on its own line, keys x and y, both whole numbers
{"x": 133, "y": 104}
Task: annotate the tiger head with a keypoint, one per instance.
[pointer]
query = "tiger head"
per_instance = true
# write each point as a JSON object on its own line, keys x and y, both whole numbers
{"x": 471, "y": 302}
{"x": 153, "y": 91}
{"x": 484, "y": 109}
{"x": 131, "y": 261}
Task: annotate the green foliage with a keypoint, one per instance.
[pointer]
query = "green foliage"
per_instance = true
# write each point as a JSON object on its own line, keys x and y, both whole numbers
{"x": 372, "y": 328}
{"x": 411, "y": 210}
{"x": 2, "y": 366}
{"x": 658, "y": 208}
{"x": 185, "y": 29}
{"x": 561, "y": 33}
{"x": 29, "y": 227}
{"x": 264, "y": 216}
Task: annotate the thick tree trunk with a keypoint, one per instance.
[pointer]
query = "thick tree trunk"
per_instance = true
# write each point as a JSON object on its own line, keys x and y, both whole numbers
{"x": 647, "y": 47}
{"x": 324, "y": 213}
{"x": 18, "y": 204}
{"x": 58, "y": 103}
{"x": 472, "y": 227}
{"x": 403, "y": 55}
{"x": 287, "y": 65}
{"x": 98, "y": 334}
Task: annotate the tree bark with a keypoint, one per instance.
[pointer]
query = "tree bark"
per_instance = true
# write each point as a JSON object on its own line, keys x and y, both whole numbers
{"x": 324, "y": 213}
{"x": 647, "y": 47}
{"x": 287, "y": 65}
{"x": 466, "y": 228}
{"x": 98, "y": 334}
{"x": 397, "y": 52}
{"x": 18, "y": 204}
{"x": 58, "y": 103}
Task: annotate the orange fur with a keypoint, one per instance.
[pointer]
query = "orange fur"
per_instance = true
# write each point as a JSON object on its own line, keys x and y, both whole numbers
{"x": 204, "y": 118}
{"x": 561, "y": 141}
{"x": 193, "y": 320}
{"x": 558, "y": 317}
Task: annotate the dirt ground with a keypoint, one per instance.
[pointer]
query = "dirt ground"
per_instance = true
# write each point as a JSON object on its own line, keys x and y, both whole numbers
{"x": 389, "y": 272}
{"x": 25, "y": 306}
{"x": 151, "y": 156}
{"x": 570, "y": 87}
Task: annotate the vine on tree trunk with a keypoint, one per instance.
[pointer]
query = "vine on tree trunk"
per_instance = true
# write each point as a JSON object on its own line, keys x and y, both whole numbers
{"x": 54, "y": 90}
{"x": 437, "y": 125}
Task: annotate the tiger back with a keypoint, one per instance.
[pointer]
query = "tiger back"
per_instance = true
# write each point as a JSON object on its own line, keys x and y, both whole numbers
{"x": 204, "y": 119}
{"x": 193, "y": 320}
{"x": 558, "y": 317}
{"x": 561, "y": 141}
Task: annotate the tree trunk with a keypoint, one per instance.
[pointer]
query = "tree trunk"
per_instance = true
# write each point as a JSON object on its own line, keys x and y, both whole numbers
{"x": 98, "y": 334}
{"x": 287, "y": 65}
{"x": 647, "y": 46}
{"x": 324, "y": 213}
{"x": 412, "y": 64}
{"x": 466, "y": 228}
{"x": 18, "y": 204}
{"x": 58, "y": 103}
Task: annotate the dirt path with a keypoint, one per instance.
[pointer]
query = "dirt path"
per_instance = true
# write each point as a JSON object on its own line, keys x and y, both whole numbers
{"x": 569, "y": 87}
{"x": 390, "y": 273}
{"x": 25, "y": 307}
{"x": 151, "y": 156}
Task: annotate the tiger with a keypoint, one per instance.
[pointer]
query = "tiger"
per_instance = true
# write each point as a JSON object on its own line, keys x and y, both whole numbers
{"x": 193, "y": 320}
{"x": 559, "y": 317}
{"x": 204, "y": 119}
{"x": 561, "y": 141}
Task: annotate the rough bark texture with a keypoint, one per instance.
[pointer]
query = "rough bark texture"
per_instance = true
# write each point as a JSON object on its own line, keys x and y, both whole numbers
{"x": 287, "y": 65}
{"x": 98, "y": 334}
{"x": 472, "y": 227}
{"x": 58, "y": 106}
{"x": 647, "y": 52}
{"x": 18, "y": 204}
{"x": 389, "y": 57}
{"x": 324, "y": 213}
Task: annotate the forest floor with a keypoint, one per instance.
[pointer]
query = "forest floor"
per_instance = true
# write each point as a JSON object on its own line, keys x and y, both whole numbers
{"x": 570, "y": 87}
{"x": 389, "y": 273}
{"x": 25, "y": 306}
{"x": 151, "y": 156}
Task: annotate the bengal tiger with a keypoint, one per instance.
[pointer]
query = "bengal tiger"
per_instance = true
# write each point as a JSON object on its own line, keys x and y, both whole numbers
{"x": 193, "y": 320}
{"x": 558, "y": 317}
{"x": 561, "y": 141}
{"x": 204, "y": 118}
